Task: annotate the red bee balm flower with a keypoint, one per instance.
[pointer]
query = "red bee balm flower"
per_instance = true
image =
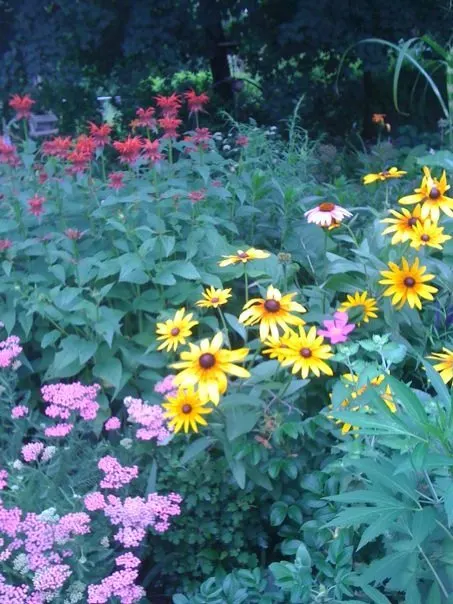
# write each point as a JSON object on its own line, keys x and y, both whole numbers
{"x": 35, "y": 205}
{"x": 195, "y": 101}
{"x": 57, "y": 147}
{"x": 196, "y": 196}
{"x": 22, "y": 105}
{"x": 242, "y": 141}
{"x": 129, "y": 149}
{"x": 79, "y": 161}
{"x": 169, "y": 105}
{"x": 151, "y": 151}
{"x": 85, "y": 144}
{"x": 169, "y": 125}
{"x": 145, "y": 117}
{"x": 5, "y": 244}
{"x": 100, "y": 134}
{"x": 116, "y": 180}
{"x": 73, "y": 234}
{"x": 8, "y": 153}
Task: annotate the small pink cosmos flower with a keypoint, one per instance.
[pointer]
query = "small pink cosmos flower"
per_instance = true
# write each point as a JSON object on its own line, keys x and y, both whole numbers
{"x": 337, "y": 329}
{"x": 327, "y": 214}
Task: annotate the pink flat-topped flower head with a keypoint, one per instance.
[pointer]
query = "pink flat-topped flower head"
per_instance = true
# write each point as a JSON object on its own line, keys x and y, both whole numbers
{"x": 327, "y": 214}
{"x": 337, "y": 329}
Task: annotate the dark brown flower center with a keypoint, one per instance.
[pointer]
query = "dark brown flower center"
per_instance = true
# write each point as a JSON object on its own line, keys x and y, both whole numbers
{"x": 207, "y": 360}
{"x": 243, "y": 255}
{"x": 186, "y": 408}
{"x": 409, "y": 282}
{"x": 272, "y": 305}
{"x": 326, "y": 207}
{"x": 412, "y": 221}
{"x": 305, "y": 352}
{"x": 424, "y": 237}
{"x": 214, "y": 300}
{"x": 175, "y": 331}
{"x": 434, "y": 193}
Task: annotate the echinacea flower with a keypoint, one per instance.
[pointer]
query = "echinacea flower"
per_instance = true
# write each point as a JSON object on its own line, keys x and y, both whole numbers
{"x": 244, "y": 256}
{"x": 196, "y": 102}
{"x": 213, "y": 298}
{"x": 431, "y": 194}
{"x": 185, "y": 410}
{"x": 337, "y": 329}
{"x": 327, "y": 214}
{"x": 22, "y": 105}
{"x": 305, "y": 352}
{"x": 385, "y": 175}
{"x": 174, "y": 331}
{"x": 402, "y": 223}
{"x": 445, "y": 366}
{"x": 428, "y": 233}
{"x": 360, "y": 300}
{"x": 272, "y": 312}
{"x": 408, "y": 284}
{"x": 206, "y": 366}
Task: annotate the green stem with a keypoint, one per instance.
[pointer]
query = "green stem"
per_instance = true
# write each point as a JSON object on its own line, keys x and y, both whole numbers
{"x": 433, "y": 570}
{"x": 222, "y": 318}
{"x": 246, "y": 283}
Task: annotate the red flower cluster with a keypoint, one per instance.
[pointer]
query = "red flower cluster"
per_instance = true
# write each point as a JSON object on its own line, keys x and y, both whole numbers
{"x": 169, "y": 105}
{"x": 57, "y": 147}
{"x": 145, "y": 117}
{"x": 35, "y": 205}
{"x": 151, "y": 151}
{"x": 116, "y": 180}
{"x": 8, "y": 153}
{"x": 129, "y": 149}
{"x": 22, "y": 105}
{"x": 100, "y": 134}
{"x": 196, "y": 102}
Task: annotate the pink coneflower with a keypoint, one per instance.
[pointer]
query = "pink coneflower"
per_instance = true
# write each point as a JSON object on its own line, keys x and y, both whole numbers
{"x": 57, "y": 147}
{"x": 73, "y": 234}
{"x": 327, "y": 214}
{"x": 116, "y": 180}
{"x": 169, "y": 126}
{"x": 22, "y": 105}
{"x": 242, "y": 140}
{"x": 151, "y": 151}
{"x": 5, "y": 244}
{"x": 145, "y": 118}
{"x": 100, "y": 134}
{"x": 129, "y": 149}
{"x": 169, "y": 105}
{"x": 196, "y": 101}
{"x": 196, "y": 196}
{"x": 337, "y": 329}
{"x": 35, "y": 205}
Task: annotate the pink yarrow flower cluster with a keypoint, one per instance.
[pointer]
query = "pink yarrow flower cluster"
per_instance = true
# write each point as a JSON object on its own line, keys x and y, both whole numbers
{"x": 66, "y": 400}
{"x": 113, "y": 423}
{"x": 116, "y": 475}
{"x": 166, "y": 386}
{"x": 150, "y": 417}
{"x": 9, "y": 350}
{"x": 337, "y": 329}
{"x": 120, "y": 584}
{"x": 32, "y": 451}
{"x": 40, "y": 540}
{"x": 19, "y": 411}
{"x": 3, "y": 479}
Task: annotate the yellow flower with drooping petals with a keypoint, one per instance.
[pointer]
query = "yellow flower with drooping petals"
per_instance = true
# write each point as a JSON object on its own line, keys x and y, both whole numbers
{"x": 206, "y": 366}
{"x": 402, "y": 223}
{"x": 305, "y": 352}
{"x": 272, "y": 312}
{"x": 213, "y": 298}
{"x": 361, "y": 300}
{"x": 276, "y": 347}
{"x": 174, "y": 331}
{"x": 185, "y": 410}
{"x": 428, "y": 233}
{"x": 445, "y": 366}
{"x": 408, "y": 284}
{"x": 244, "y": 256}
{"x": 431, "y": 194}
{"x": 381, "y": 176}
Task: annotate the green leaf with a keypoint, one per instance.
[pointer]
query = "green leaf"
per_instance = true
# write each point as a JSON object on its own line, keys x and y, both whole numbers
{"x": 434, "y": 596}
{"x": 258, "y": 477}
{"x": 238, "y": 470}
{"x": 235, "y": 325}
{"x": 279, "y": 511}
{"x": 109, "y": 370}
{"x": 152, "y": 478}
{"x": 184, "y": 269}
{"x": 376, "y": 596}
{"x": 378, "y": 527}
{"x": 240, "y": 421}
{"x": 50, "y": 338}
{"x": 195, "y": 448}
{"x": 303, "y": 558}
{"x": 408, "y": 399}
